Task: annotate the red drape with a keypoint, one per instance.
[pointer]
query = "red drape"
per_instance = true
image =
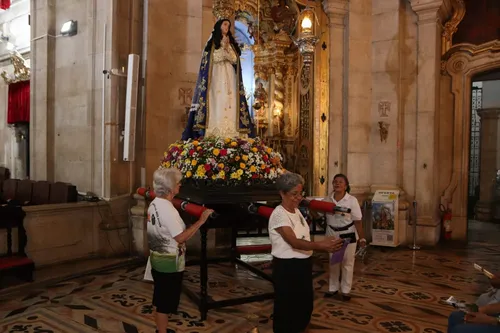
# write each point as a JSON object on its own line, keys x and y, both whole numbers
{"x": 19, "y": 102}
{"x": 4, "y": 4}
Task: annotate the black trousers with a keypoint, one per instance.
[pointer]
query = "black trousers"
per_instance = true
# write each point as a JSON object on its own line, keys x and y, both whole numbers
{"x": 293, "y": 294}
{"x": 167, "y": 291}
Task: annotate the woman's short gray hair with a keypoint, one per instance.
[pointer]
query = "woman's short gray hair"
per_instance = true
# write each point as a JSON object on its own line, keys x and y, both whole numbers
{"x": 287, "y": 181}
{"x": 165, "y": 180}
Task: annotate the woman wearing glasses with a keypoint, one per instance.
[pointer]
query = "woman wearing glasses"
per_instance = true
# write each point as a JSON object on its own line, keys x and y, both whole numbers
{"x": 292, "y": 264}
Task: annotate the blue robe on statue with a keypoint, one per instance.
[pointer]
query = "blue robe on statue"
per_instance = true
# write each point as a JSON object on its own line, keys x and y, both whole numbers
{"x": 199, "y": 111}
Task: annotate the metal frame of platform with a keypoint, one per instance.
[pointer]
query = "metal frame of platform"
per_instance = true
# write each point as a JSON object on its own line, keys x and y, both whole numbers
{"x": 202, "y": 298}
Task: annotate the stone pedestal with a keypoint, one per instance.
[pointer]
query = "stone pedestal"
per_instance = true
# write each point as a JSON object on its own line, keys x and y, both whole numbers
{"x": 490, "y": 158}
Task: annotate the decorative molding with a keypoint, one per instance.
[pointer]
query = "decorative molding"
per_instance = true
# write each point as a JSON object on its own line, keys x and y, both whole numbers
{"x": 460, "y": 54}
{"x": 21, "y": 71}
{"x": 462, "y": 63}
{"x": 335, "y": 7}
{"x": 427, "y": 11}
{"x": 223, "y": 9}
{"x": 451, "y": 26}
{"x": 383, "y": 128}
{"x": 185, "y": 96}
{"x": 383, "y": 108}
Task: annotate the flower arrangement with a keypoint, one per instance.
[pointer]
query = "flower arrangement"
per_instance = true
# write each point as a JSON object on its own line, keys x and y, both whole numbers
{"x": 224, "y": 160}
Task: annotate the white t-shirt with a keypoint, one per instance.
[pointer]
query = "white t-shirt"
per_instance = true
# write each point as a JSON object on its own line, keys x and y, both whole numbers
{"x": 163, "y": 224}
{"x": 339, "y": 220}
{"x": 282, "y": 218}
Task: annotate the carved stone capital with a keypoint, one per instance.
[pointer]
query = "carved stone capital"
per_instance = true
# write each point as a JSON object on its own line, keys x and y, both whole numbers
{"x": 336, "y": 7}
{"x": 427, "y": 10}
{"x": 336, "y": 11}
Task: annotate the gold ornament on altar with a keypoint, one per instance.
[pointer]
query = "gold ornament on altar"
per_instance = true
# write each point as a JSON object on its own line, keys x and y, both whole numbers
{"x": 223, "y": 9}
{"x": 21, "y": 71}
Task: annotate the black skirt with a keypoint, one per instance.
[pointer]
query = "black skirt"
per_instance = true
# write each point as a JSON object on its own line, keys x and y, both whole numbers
{"x": 293, "y": 294}
{"x": 167, "y": 291}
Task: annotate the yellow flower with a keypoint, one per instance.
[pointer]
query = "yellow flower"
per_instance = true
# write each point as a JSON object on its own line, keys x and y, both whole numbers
{"x": 227, "y": 140}
{"x": 165, "y": 154}
{"x": 194, "y": 162}
{"x": 195, "y": 143}
{"x": 214, "y": 177}
{"x": 220, "y": 165}
{"x": 253, "y": 168}
{"x": 234, "y": 175}
{"x": 222, "y": 174}
{"x": 200, "y": 171}
{"x": 199, "y": 148}
{"x": 242, "y": 165}
{"x": 244, "y": 158}
{"x": 216, "y": 152}
{"x": 262, "y": 166}
{"x": 189, "y": 174}
{"x": 237, "y": 158}
{"x": 239, "y": 172}
{"x": 255, "y": 150}
{"x": 251, "y": 141}
{"x": 167, "y": 164}
{"x": 269, "y": 150}
{"x": 234, "y": 144}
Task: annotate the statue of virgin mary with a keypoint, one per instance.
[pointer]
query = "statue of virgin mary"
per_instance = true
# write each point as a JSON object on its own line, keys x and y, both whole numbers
{"x": 219, "y": 106}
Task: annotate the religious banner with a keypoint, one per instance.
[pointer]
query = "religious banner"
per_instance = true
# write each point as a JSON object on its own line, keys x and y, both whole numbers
{"x": 19, "y": 103}
{"x": 4, "y": 4}
{"x": 384, "y": 218}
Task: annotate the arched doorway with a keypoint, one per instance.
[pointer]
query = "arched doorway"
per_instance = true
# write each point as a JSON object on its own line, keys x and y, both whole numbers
{"x": 465, "y": 61}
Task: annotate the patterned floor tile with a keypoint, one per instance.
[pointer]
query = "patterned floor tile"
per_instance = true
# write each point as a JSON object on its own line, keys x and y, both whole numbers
{"x": 395, "y": 290}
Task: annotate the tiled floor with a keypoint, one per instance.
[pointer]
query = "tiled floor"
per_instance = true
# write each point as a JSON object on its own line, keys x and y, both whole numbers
{"x": 394, "y": 291}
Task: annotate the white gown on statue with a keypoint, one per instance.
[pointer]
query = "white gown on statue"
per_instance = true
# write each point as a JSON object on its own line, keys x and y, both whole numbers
{"x": 223, "y": 94}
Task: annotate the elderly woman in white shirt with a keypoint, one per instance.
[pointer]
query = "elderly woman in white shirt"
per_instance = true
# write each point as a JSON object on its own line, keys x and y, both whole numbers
{"x": 167, "y": 235}
{"x": 292, "y": 264}
{"x": 345, "y": 223}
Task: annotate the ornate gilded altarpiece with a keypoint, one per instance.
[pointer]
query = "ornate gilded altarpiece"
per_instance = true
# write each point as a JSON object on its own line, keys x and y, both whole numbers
{"x": 289, "y": 97}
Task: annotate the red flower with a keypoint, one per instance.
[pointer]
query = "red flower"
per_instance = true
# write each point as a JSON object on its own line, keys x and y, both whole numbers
{"x": 191, "y": 152}
{"x": 268, "y": 170}
{"x": 207, "y": 167}
{"x": 223, "y": 152}
{"x": 255, "y": 176}
{"x": 265, "y": 158}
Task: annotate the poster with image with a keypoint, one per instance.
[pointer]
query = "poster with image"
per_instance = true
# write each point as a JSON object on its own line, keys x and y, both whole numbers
{"x": 384, "y": 218}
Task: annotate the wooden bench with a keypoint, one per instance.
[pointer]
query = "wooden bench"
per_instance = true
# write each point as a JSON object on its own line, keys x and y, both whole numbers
{"x": 15, "y": 264}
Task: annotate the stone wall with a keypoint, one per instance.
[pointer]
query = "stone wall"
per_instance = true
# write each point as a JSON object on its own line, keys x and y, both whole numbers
{"x": 175, "y": 39}
{"x": 69, "y": 91}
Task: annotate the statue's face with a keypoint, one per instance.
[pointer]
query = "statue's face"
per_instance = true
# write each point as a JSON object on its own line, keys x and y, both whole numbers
{"x": 224, "y": 28}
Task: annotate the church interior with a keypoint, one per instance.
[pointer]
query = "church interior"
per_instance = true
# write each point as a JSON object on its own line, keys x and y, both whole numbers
{"x": 402, "y": 96}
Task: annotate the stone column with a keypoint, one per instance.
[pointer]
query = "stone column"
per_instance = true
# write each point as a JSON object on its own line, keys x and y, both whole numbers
{"x": 428, "y": 64}
{"x": 336, "y": 11}
{"x": 43, "y": 25}
{"x": 490, "y": 155}
{"x": 357, "y": 116}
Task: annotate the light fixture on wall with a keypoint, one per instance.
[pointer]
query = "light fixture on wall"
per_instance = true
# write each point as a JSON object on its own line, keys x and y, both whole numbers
{"x": 307, "y": 38}
{"x": 69, "y": 28}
